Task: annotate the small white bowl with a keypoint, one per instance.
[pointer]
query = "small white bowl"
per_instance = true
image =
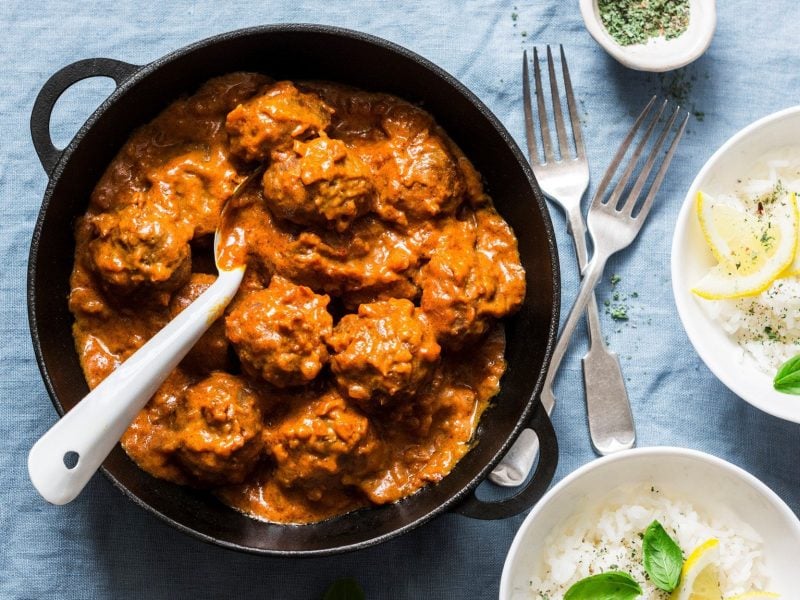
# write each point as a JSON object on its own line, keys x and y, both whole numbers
{"x": 706, "y": 481}
{"x": 691, "y": 260}
{"x": 658, "y": 54}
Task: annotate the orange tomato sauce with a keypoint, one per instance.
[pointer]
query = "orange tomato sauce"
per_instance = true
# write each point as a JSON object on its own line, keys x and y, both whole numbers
{"x": 355, "y": 361}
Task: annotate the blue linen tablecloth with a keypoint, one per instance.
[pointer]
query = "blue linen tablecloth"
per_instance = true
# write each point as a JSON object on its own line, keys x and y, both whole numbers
{"x": 103, "y": 546}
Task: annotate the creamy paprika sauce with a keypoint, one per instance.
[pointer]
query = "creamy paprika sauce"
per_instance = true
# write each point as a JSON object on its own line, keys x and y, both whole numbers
{"x": 355, "y": 361}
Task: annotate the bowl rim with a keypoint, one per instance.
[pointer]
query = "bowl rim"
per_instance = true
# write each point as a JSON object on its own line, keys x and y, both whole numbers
{"x": 146, "y": 70}
{"x": 652, "y": 61}
{"x": 731, "y": 378}
{"x": 651, "y": 452}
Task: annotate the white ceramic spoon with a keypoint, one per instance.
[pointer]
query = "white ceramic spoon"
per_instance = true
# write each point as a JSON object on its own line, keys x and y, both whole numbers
{"x": 61, "y": 463}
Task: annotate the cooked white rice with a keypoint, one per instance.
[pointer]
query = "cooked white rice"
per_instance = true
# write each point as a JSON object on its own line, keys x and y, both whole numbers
{"x": 767, "y": 326}
{"x": 607, "y": 536}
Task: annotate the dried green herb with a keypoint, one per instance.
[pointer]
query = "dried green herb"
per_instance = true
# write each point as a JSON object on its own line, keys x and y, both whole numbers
{"x": 636, "y": 21}
{"x": 618, "y": 312}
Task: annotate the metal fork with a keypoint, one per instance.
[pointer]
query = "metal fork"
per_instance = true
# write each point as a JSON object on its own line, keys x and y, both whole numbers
{"x": 612, "y": 223}
{"x": 611, "y": 228}
{"x": 565, "y": 181}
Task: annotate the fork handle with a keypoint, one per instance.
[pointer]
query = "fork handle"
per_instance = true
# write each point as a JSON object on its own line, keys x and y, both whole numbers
{"x": 592, "y": 274}
{"x": 608, "y": 408}
{"x": 611, "y": 427}
{"x": 577, "y": 228}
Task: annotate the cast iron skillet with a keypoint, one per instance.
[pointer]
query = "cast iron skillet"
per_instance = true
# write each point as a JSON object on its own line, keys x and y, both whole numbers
{"x": 299, "y": 52}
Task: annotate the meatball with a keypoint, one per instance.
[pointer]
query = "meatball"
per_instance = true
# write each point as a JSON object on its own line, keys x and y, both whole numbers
{"x": 318, "y": 182}
{"x": 195, "y": 185}
{"x": 278, "y": 332}
{"x": 220, "y": 430}
{"x": 151, "y": 439}
{"x": 322, "y": 444}
{"x": 216, "y": 97}
{"x": 194, "y": 125}
{"x": 140, "y": 245}
{"x": 211, "y": 350}
{"x": 274, "y": 118}
{"x": 369, "y": 261}
{"x": 387, "y": 350}
{"x": 421, "y": 177}
{"x": 473, "y": 277}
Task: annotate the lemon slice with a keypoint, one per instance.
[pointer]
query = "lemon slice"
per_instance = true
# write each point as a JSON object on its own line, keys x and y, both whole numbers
{"x": 752, "y": 250}
{"x": 723, "y": 225}
{"x": 699, "y": 577}
{"x": 755, "y": 596}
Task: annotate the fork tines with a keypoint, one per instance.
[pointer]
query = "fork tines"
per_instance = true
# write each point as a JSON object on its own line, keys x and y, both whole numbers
{"x": 667, "y": 126}
{"x": 564, "y": 149}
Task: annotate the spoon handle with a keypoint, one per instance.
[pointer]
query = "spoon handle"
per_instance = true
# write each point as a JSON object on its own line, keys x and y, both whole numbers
{"x": 61, "y": 463}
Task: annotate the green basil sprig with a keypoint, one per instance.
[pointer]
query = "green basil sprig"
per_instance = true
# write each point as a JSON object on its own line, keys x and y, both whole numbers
{"x": 787, "y": 379}
{"x": 663, "y": 558}
{"x": 612, "y": 585}
{"x": 344, "y": 589}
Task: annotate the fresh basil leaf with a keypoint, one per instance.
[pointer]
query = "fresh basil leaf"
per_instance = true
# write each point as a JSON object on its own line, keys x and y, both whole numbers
{"x": 612, "y": 585}
{"x": 787, "y": 379}
{"x": 663, "y": 558}
{"x": 346, "y": 588}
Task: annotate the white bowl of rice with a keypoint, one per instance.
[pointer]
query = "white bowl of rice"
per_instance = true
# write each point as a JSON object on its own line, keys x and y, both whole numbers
{"x": 592, "y": 521}
{"x": 742, "y": 341}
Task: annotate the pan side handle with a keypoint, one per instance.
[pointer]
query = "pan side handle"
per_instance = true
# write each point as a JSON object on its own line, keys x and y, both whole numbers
{"x": 58, "y": 83}
{"x": 530, "y": 494}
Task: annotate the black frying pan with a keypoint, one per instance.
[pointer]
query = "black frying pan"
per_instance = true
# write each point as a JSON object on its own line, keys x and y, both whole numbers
{"x": 300, "y": 52}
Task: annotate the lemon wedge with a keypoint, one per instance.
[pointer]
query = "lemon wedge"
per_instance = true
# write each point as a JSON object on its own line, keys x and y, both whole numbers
{"x": 755, "y": 596}
{"x": 699, "y": 577}
{"x": 752, "y": 250}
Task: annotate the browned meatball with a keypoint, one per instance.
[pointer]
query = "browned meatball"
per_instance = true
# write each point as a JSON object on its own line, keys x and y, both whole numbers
{"x": 195, "y": 185}
{"x": 421, "y": 177}
{"x": 369, "y": 261}
{"x": 140, "y": 245}
{"x": 210, "y": 353}
{"x": 278, "y": 332}
{"x": 151, "y": 439}
{"x": 322, "y": 444}
{"x": 274, "y": 118}
{"x": 190, "y": 126}
{"x": 386, "y": 350}
{"x": 220, "y": 430}
{"x": 318, "y": 182}
{"x": 474, "y": 277}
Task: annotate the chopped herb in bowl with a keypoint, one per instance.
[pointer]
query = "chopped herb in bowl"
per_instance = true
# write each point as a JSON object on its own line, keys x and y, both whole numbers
{"x": 636, "y": 21}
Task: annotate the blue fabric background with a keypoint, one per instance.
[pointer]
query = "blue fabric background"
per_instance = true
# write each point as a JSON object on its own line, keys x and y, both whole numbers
{"x": 102, "y": 546}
